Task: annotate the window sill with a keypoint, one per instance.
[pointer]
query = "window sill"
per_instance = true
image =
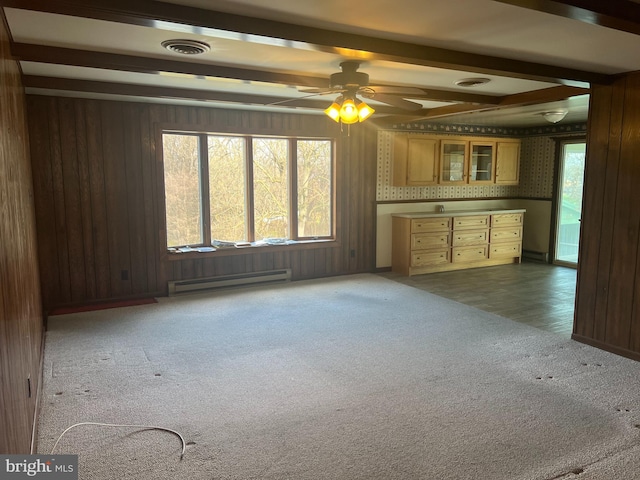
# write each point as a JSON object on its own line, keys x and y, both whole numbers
{"x": 251, "y": 249}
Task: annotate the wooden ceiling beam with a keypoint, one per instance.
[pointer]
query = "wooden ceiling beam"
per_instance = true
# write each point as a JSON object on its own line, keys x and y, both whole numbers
{"x": 129, "y": 63}
{"x": 535, "y": 97}
{"x": 623, "y": 15}
{"x": 133, "y": 90}
{"x": 184, "y": 19}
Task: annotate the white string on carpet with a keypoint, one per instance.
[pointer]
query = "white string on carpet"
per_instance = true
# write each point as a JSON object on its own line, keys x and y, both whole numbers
{"x": 145, "y": 427}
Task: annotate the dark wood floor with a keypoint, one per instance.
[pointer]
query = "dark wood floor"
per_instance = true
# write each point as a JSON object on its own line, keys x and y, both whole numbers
{"x": 537, "y": 294}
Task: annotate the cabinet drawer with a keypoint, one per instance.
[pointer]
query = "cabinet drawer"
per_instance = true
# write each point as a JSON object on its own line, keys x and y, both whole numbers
{"x": 470, "y": 237}
{"x": 421, "y": 241}
{"x": 499, "y": 250}
{"x": 475, "y": 221}
{"x": 506, "y": 219}
{"x": 505, "y": 234}
{"x": 430, "y": 257}
{"x": 469, "y": 254}
{"x": 430, "y": 224}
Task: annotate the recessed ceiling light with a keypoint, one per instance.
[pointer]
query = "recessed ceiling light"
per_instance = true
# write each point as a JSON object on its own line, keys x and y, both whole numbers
{"x": 472, "y": 82}
{"x": 186, "y": 47}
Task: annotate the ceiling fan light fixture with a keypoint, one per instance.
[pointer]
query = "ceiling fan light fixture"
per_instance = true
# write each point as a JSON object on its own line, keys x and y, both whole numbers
{"x": 349, "y": 111}
{"x": 333, "y": 112}
{"x": 186, "y": 47}
{"x": 555, "y": 116}
{"x": 364, "y": 111}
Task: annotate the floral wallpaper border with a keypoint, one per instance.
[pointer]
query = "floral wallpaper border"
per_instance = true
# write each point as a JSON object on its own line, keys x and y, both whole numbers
{"x": 545, "y": 130}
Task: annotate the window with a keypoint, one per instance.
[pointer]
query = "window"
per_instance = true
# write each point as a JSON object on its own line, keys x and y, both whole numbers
{"x": 231, "y": 188}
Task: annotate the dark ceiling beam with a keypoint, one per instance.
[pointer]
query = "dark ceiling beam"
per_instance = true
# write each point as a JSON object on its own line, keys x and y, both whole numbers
{"x": 133, "y": 90}
{"x": 183, "y": 19}
{"x": 621, "y": 15}
{"x": 128, "y": 63}
{"x": 535, "y": 97}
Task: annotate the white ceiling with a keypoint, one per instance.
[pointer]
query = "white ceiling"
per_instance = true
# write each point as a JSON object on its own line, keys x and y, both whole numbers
{"x": 480, "y": 27}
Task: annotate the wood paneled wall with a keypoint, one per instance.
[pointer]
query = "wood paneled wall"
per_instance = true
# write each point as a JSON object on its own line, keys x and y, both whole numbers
{"x": 99, "y": 200}
{"x": 608, "y": 291}
{"x": 21, "y": 320}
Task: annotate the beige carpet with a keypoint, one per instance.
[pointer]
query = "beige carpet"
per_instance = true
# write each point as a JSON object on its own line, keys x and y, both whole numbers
{"x": 354, "y": 377}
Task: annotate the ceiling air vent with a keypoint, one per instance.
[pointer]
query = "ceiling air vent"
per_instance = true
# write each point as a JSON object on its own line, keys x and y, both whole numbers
{"x": 186, "y": 47}
{"x": 472, "y": 82}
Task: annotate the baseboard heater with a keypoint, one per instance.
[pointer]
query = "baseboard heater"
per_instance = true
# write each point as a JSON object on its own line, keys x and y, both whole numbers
{"x": 177, "y": 287}
{"x": 532, "y": 256}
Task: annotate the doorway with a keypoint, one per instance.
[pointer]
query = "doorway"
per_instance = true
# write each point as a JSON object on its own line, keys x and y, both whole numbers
{"x": 569, "y": 202}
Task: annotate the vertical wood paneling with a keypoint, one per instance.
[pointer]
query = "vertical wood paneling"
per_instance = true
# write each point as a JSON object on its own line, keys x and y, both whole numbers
{"x": 20, "y": 301}
{"x": 625, "y": 225}
{"x": 59, "y": 210}
{"x": 115, "y": 181}
{"x": 98, "y": 205}
{"x": 607, "y": 206}
{"x": 85, "y": 203}
{"x": 135, "y": 191}
{"x": 607, "y": 296}
{"x": 595, "y": 168}
{"x": 148, "y": 197}
{"x": 70, "y": 198}
{"x": 43, "y": 186}
{"x": 115, "y": 157}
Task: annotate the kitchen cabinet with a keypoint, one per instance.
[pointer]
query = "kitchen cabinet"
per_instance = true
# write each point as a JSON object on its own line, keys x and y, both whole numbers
{"x": 436, "y": 242}
{"x": 508, "y": 163}
{"x": 415, "y": 160}
{"x": 428, "y": 160}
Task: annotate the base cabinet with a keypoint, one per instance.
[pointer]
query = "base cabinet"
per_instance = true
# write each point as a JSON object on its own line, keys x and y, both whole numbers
{"x": 427, "y": 243}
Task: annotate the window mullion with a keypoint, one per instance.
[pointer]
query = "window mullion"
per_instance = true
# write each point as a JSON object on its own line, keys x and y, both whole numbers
{"x": 249, "y": 197}
{"x": 204, "y": 189}
{"x": 293, "y": 189}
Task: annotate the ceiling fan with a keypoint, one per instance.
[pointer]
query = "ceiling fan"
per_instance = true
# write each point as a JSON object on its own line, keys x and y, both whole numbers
{"x": 349, "y": 82}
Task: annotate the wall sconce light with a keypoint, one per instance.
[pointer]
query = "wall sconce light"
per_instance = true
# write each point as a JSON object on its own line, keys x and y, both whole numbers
{"x": 555, "y": 116}
{"x": 348, "y": 109}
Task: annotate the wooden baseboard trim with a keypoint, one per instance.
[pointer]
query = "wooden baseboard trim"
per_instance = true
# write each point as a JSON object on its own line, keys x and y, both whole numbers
{"x": 623, "y": 352}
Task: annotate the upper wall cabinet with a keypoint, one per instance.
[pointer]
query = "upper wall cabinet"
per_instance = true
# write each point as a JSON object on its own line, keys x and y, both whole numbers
{"x": 508, "y": 163}
{"x": 482, "y": 162}
{"x": 454, "y": 159}
{"x": 423, "y": 160}
{"x": 415, "y": 160}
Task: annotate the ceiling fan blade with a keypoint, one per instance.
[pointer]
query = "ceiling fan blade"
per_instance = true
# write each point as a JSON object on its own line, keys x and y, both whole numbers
{"x": 321, "y": 91}
{"x": 287, "y": 100}
{"x": 396, "y": 90}
{"x": 395, "y": 101}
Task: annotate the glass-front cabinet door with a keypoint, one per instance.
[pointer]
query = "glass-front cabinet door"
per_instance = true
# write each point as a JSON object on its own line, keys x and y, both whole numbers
{"x": 482, "y": 162}
{"x": 453, "y": 162}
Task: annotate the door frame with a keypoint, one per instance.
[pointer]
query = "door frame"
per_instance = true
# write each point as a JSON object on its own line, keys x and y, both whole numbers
{"x": 555, "y": 204}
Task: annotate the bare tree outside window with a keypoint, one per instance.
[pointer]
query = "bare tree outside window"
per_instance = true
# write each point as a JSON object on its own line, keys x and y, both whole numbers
{"x": 314, "y": 188}
{"x": 227, "y": 188}
{"x": 182, "y": 189}
{"x": 216, "y": 183}
{"x": 270, "y": 187}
